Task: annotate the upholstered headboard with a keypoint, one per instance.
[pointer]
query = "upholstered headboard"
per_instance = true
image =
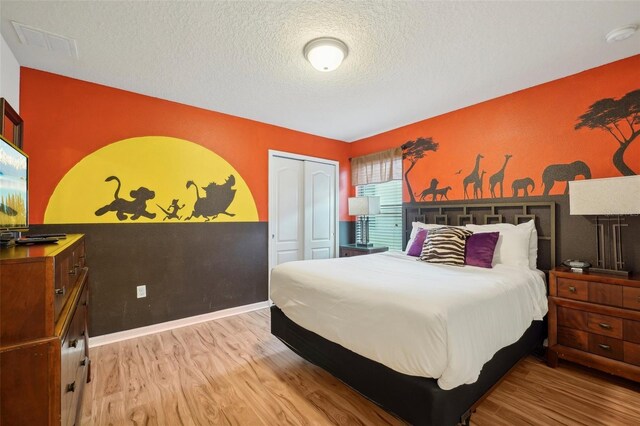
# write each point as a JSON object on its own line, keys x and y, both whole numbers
{"x": 544, "y": 214}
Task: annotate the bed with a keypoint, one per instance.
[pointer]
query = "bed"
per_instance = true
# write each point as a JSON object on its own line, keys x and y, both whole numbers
{"x": 461, "y": 333}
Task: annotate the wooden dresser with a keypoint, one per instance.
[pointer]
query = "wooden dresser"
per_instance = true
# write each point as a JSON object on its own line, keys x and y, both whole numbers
{"x": 594, "y": 320}
{"x": 43, "y": 332}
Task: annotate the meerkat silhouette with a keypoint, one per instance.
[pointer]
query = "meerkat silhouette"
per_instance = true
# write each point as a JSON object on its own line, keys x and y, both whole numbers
{"x": 172, "y": 211}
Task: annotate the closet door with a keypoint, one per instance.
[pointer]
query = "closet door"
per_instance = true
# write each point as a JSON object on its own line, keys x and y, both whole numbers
{"x": 320, "y": 210}
{"x": 287, "y": 199}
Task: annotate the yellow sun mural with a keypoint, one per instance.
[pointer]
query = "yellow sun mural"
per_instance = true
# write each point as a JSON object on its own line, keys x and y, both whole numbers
{"x": 151, "y": 179}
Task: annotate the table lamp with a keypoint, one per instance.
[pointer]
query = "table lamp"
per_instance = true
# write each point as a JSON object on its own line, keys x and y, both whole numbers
{"x": 363, "y": 207}
{"x": 608, "y": 200}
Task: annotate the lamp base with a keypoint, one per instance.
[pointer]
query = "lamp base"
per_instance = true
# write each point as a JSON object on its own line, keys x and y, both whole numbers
{"x": 364, "y": 244}
{"x": 616, "y": 272}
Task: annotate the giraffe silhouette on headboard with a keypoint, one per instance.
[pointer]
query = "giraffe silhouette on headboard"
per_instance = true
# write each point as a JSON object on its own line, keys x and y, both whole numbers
{"x": 473, "y": 178}
{"x": 498, "y": 177}
{"x": 477, "y": 186}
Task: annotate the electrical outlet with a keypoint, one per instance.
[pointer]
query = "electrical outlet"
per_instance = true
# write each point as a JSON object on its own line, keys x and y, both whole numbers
{"x": 141, "y": 291}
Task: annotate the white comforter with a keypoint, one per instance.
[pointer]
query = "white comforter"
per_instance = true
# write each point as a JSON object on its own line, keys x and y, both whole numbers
{"x": 417, "y": 318}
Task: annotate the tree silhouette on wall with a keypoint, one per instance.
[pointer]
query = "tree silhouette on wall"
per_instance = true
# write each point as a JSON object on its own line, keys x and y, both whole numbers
{"x": 414, "y": 151}
{"x": 619, "y": 117}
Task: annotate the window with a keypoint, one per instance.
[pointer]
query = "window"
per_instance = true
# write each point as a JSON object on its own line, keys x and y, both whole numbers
{"x": 386, "y": 228}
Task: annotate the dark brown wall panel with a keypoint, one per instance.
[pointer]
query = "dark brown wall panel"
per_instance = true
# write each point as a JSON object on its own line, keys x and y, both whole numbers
{"x": 189, "y": 269}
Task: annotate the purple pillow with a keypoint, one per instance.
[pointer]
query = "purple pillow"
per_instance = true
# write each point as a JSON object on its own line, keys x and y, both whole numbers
{"x": 418, "y": 242}
{"x": 479, "y": 249}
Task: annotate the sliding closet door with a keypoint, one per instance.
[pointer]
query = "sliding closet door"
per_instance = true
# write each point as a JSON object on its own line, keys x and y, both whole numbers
{"x": 320, "y": 210}
{"x": 302, "y": 208}
{"x": 287, "y": 200}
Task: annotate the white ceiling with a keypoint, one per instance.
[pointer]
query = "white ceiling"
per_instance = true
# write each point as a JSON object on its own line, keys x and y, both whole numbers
{"x": 407, "y": 60}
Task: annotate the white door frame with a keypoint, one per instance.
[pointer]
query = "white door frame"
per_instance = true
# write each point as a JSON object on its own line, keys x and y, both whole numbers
{"x": 292, "y": 156}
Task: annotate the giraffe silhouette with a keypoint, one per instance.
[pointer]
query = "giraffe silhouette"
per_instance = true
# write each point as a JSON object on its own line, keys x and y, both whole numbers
{"x": 498, "y": 178}
{"x": 474, "y": 177}
{"x": 477, "y": 186}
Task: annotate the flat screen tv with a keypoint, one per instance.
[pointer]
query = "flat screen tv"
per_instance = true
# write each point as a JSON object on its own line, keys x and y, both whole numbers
{"x": 14, "y": 186}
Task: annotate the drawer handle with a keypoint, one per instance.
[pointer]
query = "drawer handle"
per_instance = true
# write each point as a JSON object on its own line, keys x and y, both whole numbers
{"x": 572, "y": 289}
{"x": 605, "y": 347}
{"x": 605, "y": 326}
{"x": 83, "y": 362}
{"x": 71, "y": 387}
{"x": 59, "y": 291}
{"x": 73, "y": 343}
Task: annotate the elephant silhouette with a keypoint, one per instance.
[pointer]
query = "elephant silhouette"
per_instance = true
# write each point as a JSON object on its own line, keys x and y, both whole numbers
{"x": 522, "y": 184}
{"x": 564, "y": 173}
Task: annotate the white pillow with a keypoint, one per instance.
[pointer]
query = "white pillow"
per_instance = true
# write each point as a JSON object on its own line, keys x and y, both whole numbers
{"x": 516, "y": 239}
{"x": 416, "y": 226}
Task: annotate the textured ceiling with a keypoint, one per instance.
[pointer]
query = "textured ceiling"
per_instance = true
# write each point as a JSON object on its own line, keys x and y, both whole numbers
{"x": 407, "y": 60}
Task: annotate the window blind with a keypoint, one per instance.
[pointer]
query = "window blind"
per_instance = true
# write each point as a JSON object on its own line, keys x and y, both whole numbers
{"x": 386, "y": 228}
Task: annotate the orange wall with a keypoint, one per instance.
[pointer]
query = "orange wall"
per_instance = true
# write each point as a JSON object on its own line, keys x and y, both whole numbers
{"x": 535, "y": 126}
{"x": 67, "y": 119}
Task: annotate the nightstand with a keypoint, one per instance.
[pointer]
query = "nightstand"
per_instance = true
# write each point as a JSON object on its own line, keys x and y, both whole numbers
{"x": 350, "y": 250}
{"x": 594, "y": 320}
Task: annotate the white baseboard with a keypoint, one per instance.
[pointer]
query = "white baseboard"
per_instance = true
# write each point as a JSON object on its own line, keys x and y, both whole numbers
{"x": 105, "y": 339}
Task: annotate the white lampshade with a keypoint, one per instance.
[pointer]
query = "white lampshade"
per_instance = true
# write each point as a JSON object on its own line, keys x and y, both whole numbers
{"x": 609, "y": 196}
{"x": 364, "y": 206}
{"x": 325, "y": 54}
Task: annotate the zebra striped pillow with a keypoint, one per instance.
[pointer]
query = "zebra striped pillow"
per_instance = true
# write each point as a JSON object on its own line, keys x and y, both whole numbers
{"x": 445, "y": 246}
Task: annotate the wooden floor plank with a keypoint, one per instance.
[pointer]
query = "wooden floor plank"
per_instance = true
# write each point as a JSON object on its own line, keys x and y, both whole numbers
{"x": 232, "y": 371}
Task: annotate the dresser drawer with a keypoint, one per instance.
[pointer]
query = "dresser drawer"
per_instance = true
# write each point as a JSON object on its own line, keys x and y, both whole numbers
{"x": 605, "y": 325}
{"x": 62, "y": 283}
{"x": 572, "y": 318}
{"x": 79, "y": 255}
{"x": 605, "y": 294}
{"x": 573, "y": 338}
{"x": 632, "y": 353}
{"x": 606, "y": 346}
{"x": 631, "y": 298}
{"x": 573, "y": 289}
{"x": 632, "y": 331}
{"x": 349, "y": 253}
{"x": 72, "y": 365}
{"x": 68, "y": 266}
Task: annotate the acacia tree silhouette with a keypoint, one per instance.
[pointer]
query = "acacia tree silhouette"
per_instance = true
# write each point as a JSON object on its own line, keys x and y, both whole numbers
{"x": 618, "y": 117}
{"x": 413, "y": 151}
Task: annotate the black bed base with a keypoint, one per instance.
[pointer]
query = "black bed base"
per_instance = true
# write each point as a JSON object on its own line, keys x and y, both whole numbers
{"x": 417, "y": 400}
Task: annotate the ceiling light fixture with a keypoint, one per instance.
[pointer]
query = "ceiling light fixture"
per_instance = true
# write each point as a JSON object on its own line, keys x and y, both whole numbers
{"x": 326, "y": 53}
{"x": 621, "y": 33}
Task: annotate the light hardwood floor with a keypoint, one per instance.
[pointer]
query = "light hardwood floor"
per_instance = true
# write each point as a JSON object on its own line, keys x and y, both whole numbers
{"x": 233, "y": 371}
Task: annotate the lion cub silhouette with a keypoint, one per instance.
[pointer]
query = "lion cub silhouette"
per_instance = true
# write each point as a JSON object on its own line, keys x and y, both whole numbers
{"x": 136, "y": 207}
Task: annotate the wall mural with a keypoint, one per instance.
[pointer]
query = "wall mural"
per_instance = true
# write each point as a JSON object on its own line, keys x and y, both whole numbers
{"x": 151, "y": 179}
{"x": 563, "y": 173}
{"x": 128, "y": 209}
{"x": 620, "y": 118}
{"x": 413, "y": 151}
{"x": 216, "y": 200}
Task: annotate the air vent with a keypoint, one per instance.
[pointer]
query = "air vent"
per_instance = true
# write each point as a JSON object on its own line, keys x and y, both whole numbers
{"x": 55, "y": 43}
